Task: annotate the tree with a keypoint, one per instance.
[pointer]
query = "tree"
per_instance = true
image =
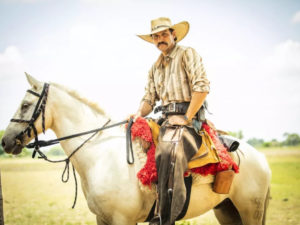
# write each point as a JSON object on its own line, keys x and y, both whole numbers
{"x": 1, "y": 149}
{"x": 256, "y": 142}
{"x": 56, "y": 151}
{"x": 291, "y": 139}
{"x": 238, "y": 134}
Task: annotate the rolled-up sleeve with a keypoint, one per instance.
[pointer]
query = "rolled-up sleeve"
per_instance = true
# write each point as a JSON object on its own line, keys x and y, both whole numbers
{"x": 196, "y": 73}
{"x": 150, "y": 93}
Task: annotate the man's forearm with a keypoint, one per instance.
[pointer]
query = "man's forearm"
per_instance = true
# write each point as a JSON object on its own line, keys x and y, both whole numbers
{"x": 144, "y": 109}
{"x": 197, "y": 101}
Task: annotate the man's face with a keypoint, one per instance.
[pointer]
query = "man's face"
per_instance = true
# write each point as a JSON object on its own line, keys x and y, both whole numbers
{"x": 164, "y": 40}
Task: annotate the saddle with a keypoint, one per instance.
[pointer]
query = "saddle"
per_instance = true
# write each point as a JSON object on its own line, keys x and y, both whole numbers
{"x": 204, "y": 153}
{"x": 148, "y": 131}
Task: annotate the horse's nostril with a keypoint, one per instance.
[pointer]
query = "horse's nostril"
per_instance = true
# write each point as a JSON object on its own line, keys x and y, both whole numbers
{"x": 3, "y": 143}
{"x": 18, "y": 142}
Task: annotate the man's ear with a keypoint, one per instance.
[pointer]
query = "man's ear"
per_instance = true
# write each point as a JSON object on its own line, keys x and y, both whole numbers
{"x": 174, "y": 35}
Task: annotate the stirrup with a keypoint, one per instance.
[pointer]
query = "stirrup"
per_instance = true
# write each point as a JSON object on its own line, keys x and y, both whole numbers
{"x": 156, "y": 220}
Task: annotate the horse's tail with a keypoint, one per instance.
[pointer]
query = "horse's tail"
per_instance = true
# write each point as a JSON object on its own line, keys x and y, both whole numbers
{"x": 267, "y": 199}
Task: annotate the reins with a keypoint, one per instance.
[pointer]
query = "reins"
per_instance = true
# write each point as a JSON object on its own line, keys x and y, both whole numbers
{"x": 43, "y": 143}
{"x": 40, "y": 108}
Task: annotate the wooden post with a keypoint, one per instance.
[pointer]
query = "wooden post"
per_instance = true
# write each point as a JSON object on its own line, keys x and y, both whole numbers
{"x": 1, "y": 204}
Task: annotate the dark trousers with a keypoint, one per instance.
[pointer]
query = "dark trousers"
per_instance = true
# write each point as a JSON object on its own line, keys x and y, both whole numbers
{"x": 176, "y": 146}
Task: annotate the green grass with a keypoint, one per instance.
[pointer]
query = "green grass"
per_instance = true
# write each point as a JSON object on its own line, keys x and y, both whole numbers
{"x": 285, "y": 192}
{"x": 283, "y": 148}
{"x": 34, "y": 194}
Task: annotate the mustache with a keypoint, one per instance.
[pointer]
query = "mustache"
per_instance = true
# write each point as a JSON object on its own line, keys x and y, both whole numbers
{"x": 162, "y": 43}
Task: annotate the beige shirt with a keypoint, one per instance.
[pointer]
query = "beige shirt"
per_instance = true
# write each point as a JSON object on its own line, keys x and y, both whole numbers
{"x": 174, "y": 77}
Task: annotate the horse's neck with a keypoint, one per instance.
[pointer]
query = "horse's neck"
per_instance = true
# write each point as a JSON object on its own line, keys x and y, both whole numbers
{"x": 71, "y": 115}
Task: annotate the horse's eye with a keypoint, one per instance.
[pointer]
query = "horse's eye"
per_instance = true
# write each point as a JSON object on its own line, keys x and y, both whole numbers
{"x": 25, "y": 106}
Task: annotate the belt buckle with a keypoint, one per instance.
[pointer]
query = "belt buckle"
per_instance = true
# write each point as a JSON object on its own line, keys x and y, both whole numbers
{"x": 172, "y": 107}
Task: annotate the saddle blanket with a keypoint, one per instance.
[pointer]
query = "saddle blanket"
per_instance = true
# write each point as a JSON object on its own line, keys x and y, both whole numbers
{"x": 148, "y": 131}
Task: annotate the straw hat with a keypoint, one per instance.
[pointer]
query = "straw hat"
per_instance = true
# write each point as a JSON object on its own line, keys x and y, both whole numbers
{"x": 164, "y": 23}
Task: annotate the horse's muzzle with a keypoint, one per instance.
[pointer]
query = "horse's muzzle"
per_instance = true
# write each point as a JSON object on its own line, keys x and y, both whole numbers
{"x": 11, "y": 146}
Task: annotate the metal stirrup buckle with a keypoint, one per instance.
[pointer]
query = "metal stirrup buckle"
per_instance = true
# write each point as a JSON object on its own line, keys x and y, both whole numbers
{"x": 172, "y": 107}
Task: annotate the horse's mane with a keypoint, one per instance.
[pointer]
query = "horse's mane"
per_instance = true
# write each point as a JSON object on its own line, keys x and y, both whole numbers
{"x": 77, "y": 96}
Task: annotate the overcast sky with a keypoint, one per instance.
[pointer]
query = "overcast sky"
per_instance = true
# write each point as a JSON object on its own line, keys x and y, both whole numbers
{"x": 250, "y": 49}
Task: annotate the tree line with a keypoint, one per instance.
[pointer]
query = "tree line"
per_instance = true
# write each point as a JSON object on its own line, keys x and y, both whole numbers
{"x": 290, "y": 139}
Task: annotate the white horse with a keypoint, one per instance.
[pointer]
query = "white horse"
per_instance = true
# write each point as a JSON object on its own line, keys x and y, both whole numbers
{"x": 109, "y": 183}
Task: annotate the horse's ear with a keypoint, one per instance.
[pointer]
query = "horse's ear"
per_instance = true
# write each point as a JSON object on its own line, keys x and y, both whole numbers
{"x": 33, "y": 82}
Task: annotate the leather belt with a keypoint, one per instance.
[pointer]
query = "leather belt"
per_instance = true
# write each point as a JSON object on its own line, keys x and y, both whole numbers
{"x": 173, "y": 108}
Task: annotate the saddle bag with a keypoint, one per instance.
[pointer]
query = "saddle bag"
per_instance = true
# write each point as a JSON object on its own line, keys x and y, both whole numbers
{"x": 206, "y": 154}
{"x": 223, "y": 181}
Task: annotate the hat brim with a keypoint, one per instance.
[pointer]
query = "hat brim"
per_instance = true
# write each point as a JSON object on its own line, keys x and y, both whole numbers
{"x": 181, "y": 30}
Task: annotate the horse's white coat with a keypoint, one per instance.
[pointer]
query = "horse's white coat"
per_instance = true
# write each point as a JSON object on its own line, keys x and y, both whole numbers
{"x": 110, "y": 185}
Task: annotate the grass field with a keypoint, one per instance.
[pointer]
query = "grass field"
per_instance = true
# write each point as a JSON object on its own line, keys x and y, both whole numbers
{"x": 34, "y": 194}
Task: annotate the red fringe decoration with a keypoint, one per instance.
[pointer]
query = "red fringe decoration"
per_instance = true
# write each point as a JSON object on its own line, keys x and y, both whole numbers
{"x": 148, "y": 174}
{"x": 140, "y": 128}
{"x": 226, "y": 161}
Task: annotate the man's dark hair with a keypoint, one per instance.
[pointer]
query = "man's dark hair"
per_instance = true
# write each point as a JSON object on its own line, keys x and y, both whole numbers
{"x": 171, "y": 30}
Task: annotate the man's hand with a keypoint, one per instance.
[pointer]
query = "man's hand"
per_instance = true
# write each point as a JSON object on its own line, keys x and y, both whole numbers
{"x": 134, "y": 116}
{"x": 143, "y": 111}
{"x": 177, "y": 120}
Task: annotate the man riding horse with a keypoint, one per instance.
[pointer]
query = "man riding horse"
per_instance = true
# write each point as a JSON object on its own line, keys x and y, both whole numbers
{"x": 179, "y": 80}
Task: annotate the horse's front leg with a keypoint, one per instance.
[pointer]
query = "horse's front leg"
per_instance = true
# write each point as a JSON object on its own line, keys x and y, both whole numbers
{"x": 100, "y": 221}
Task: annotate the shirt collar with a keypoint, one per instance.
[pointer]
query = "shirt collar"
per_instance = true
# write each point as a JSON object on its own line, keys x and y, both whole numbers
{"x": 173, "y": 52}
{"x": 171, "y": 55}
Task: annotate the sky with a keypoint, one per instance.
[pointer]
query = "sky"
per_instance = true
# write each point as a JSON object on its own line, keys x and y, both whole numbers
{"x": 250, "y": 50}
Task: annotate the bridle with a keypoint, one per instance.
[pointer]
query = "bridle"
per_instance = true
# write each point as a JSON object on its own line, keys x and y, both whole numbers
{"x": 39, "y": 109}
